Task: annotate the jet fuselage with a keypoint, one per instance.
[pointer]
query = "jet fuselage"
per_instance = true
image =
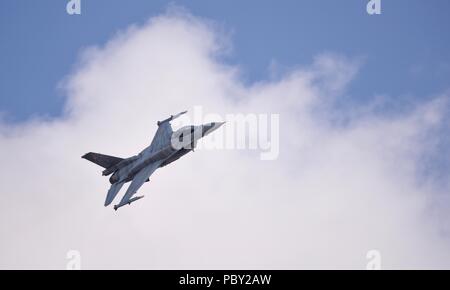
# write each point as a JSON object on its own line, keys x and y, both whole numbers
{"x": 181, "y": 142}
{"x": 166, "y": 147}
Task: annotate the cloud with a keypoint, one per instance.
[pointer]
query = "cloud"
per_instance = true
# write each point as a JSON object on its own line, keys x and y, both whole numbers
{"x": 348, "y": 178}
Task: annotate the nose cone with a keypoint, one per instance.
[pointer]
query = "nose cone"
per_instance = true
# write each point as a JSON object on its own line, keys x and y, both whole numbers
{"x": 217, "y": 125}
{"x": 210, "y": 127}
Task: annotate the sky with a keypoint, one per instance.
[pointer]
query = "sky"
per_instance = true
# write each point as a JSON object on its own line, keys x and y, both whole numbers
{"x": 40, "y": 43}
{"x": 364, "y": 115}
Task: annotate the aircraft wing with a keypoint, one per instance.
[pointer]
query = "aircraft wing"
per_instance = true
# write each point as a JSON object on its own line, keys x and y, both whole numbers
{"x": 112, "y": 192}
{"x": 162, "y": 137}
{"x": 163, "y": 134}
{"x": 137, "y": 182}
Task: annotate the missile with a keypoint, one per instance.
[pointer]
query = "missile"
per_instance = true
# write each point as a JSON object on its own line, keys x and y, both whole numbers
{"x": 171, "y": 118}
{"x": 131, "y": 200}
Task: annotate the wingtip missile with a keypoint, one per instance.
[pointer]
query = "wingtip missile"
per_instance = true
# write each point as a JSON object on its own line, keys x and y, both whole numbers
{"x": 172, "y": 117}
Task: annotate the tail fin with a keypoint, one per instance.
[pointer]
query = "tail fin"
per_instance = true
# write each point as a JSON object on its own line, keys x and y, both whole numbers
{"x": 104, "y": 161}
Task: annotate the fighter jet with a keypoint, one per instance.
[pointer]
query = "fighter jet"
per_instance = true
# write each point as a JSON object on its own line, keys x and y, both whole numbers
{"x": 166, "y": 147}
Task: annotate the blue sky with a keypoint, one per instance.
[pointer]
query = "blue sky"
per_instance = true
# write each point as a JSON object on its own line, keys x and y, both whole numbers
{"x": 406, "y": 49}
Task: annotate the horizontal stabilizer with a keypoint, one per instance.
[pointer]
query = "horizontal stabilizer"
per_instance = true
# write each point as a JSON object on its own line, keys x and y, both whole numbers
{"x": 104, "y": 161}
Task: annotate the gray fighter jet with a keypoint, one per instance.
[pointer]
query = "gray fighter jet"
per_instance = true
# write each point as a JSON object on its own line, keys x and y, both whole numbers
{"x": 166, "y": 147}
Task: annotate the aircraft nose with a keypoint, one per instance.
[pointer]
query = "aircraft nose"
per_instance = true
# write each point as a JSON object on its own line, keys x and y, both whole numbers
{"x": 218, "y": 124}
{"x": 210, "y": 127}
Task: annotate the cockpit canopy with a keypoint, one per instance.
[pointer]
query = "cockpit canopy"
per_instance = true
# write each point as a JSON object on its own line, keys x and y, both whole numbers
{"x": 187, "y": 136}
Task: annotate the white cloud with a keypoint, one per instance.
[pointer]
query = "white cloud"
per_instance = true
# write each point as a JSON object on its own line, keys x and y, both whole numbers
{"x": 336, "y": 191}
